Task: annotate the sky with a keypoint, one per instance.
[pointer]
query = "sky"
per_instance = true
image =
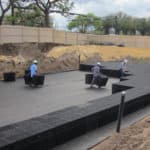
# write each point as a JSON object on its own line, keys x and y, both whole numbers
{"x": 102, "y": 8}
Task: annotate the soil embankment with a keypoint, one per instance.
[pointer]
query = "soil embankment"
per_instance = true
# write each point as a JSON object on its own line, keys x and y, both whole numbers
{"x": 53, "y": 58}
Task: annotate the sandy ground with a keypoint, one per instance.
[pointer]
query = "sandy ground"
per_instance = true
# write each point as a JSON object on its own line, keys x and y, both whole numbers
{"x": 106, "y": 53}
{"x": 135, "y": 137}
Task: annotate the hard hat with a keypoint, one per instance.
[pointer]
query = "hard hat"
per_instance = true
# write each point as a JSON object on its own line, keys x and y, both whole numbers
{"x": 98, "y": 63}
{"x": 125, "y": 60}
{"x": 35, "y": 61}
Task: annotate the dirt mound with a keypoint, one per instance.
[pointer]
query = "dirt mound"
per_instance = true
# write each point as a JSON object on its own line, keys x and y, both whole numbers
{"x": 62, "y": 58}
{"x": 136, "y": 137}
{"x": 105, "y": 53}
{"x": 19, "y": 64}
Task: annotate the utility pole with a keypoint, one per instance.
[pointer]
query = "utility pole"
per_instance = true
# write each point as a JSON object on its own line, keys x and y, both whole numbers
{"x": 116, "y": 25}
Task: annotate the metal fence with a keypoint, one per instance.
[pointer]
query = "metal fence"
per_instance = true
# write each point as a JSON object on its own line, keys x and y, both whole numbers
{"x": 22, "y": 34}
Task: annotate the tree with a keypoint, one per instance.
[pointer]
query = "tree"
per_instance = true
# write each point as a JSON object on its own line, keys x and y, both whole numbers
{"x": 53, "y": 6}
{"x": 21, "y": 6}
{"x": 30, "y": 17}
{"x": 13, "y": 4}
{"x": 140, "y": 24}
{"x": 121, "y": 22}
{"x": 126, "y": 23}
{"x": 108, "y": 23}
{"x": 4, "y": 7}
{"x": 85, "y": 24}
{"x": 147, "y": 26}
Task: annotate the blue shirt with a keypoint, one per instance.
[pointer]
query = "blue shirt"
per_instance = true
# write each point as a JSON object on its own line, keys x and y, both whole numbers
{"x": 33, "y": 69}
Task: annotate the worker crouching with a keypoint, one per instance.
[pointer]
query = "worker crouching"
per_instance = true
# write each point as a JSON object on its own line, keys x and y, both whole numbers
{"x": 32, "y": 77}
{"x": 96, "y": 73}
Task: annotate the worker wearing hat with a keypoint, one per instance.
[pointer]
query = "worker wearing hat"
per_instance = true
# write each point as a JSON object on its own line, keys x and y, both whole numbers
{"x": 96, "y": 73}
{"x": 33, "y": 68}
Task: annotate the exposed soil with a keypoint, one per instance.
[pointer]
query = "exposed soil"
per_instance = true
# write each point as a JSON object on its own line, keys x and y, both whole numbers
{"x": 53, "y": 58}
{"x": 106, "y": 53}
{"x": 135, "y": 137}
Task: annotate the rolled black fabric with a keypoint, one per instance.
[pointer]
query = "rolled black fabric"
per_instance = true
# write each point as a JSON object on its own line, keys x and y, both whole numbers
{"x": 9, "y": 76}
{"x": 100, "y": 81}
{"x": 36, "y": 80}
{"x": 88, "y": 78}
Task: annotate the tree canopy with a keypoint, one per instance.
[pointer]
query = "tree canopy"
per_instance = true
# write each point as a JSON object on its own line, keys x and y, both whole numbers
{"x": 127, "y": 25}
{"x": 46, "y": 8}
{"x": 4, "y": 8}
{"x": 86, "y": 24}
{"x": 32, "y": 17}
{"x": 54, "y": 6}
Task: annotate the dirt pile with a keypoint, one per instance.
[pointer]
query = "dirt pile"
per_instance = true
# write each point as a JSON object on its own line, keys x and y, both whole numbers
{"x": 19, "y": 64}
{"x": 135, "y": 137}
{"x": 10, "y": 63}
{"x": 105, "y": 53}
{"x": 63, "y": 63}
{"x": 18, "y": 57}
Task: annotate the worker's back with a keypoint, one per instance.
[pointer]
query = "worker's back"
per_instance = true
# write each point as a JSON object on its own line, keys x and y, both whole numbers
{"x": 33, "y": 69}
{"x": 96, "y": 70}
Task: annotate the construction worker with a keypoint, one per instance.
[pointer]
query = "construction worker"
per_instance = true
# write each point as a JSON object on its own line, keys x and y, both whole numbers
{"x": 96, "y": 73}
{"x": 33, "y": 68}
{"x": 123, "y": 66}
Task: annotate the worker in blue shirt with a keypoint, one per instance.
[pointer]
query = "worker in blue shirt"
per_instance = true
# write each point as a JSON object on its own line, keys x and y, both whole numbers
{"x": 96, "y": 73}
{"x": 33, "y": 68}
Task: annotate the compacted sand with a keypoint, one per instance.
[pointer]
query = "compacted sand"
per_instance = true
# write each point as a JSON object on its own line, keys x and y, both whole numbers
{"x": 135, "y": 137}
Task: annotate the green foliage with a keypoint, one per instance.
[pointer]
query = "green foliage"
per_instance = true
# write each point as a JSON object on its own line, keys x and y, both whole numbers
{"x": 86, "y": 24}
{"x": 56, "y": 6}
{"x": 36, "y": 12}
{"x": 108, "y": 23}
{"x": 32, "y": 17}
{"x": 126, "y": 24}
{"x": 65, "y": 6}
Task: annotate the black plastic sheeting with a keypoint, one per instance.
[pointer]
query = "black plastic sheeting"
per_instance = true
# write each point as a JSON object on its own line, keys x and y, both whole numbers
{"x": 9, "y": 76}
{"x": 100, "y": 81}
{"x": 47, "y": 131}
